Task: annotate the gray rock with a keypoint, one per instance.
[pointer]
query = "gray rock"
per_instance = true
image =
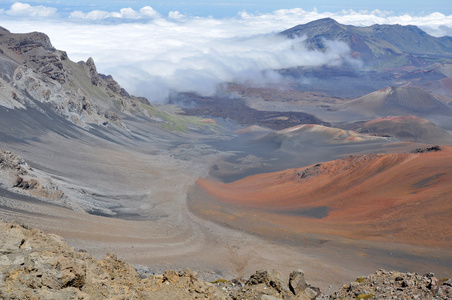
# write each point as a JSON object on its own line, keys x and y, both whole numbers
{"x": 297, "y": 283}
{"x": 394, "y": 285}
{"x": 92, "y": 71}
{"x": 268, "y": 297}
{"x": 11, "y": 240}
{"x": 310, "y": 293}
{"x": 448, "y": 282}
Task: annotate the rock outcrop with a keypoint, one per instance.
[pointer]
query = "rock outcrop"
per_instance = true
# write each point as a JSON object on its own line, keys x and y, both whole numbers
{"x": 32, "y": 71}
{"x": 273, "y": 285}
{"x": 35, "y": 265}
{"x": 17, "y": 176}
{"x": 395, "y": 285}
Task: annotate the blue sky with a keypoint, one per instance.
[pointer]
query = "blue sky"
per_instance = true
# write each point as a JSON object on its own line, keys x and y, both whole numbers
{"x": 223, "y": 8}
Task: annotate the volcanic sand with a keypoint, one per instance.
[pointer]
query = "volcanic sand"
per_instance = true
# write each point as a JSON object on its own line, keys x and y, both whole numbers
{"x": 393, "y": 209}
{"x": 148, "y": 189}
{"x": 147, "y": 185}
{"x": 402, "y": 197}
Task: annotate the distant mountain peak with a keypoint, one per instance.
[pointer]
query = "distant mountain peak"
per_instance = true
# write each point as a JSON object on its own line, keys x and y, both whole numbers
{"x": 377, "y": 45}
{"x": 312, "y": 28}
{"x": 324, "y": 21}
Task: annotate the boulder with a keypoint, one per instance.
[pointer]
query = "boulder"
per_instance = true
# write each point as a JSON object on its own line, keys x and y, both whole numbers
{"x": 297, "y": 283}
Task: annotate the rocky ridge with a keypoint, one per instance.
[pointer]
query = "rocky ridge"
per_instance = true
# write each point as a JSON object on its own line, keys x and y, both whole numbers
{"x": 34, "y": 72}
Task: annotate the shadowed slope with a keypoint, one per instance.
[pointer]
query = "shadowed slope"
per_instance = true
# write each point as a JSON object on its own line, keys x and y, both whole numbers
{"x": 401, "y": 197}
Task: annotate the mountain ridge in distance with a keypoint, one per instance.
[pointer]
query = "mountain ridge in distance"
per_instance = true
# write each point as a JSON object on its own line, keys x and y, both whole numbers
{"x": 377, "y": 45}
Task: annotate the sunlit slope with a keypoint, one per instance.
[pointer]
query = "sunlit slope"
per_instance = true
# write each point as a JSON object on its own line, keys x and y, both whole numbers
{"x": 405, "y": 197}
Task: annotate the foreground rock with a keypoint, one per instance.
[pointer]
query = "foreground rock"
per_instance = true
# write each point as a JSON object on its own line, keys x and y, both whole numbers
{"x": 35, "y": 265}
{"x": 273, "y": 285}
{"x": 396, "y": 285}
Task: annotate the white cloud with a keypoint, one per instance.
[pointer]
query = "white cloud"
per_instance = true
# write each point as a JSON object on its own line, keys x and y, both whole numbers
{"x": 19, "y": 9}
{"x": 155, "y": 54}
{"x": 92, "y": 15}
{"x": 441, "y": 30}
{"x": 431, "y": 23}
{"x": 149, "y": 12}
{"x": 175, "y": 15}
{"x": 146, "y": 12}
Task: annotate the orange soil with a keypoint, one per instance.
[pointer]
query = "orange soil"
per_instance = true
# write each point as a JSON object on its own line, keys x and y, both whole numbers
{"x": 211, "y": 121}
{"x": 400, "y": 197}
{"x": 399, "y": 119}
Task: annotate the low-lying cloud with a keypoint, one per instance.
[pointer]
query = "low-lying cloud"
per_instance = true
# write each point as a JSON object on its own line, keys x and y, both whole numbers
{"x": 150, "y": 55}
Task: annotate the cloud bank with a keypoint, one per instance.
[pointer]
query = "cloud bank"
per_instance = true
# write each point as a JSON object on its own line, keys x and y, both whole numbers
{"x": 150, "y": 54}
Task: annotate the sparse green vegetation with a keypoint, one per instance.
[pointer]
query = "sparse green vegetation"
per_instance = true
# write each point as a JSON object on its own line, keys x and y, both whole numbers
{"x": 180, "y": 123}
{"x": 360, "y": 279}
{"x": 365, "y": 296}
{"x": 220, "y": 280}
